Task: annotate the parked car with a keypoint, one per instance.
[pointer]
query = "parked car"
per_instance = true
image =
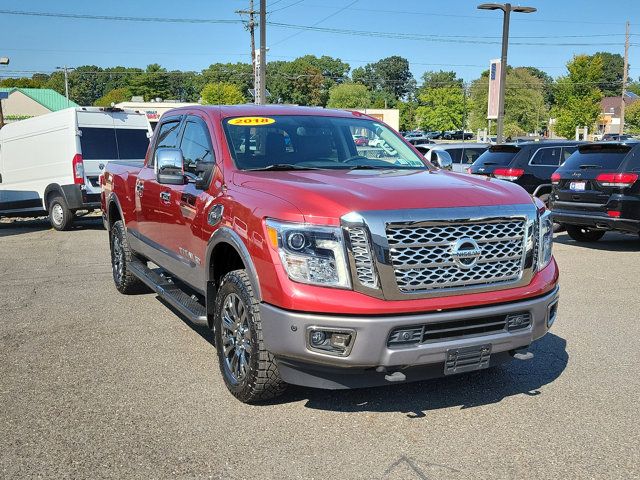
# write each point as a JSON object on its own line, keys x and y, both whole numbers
{"x": 615, "y": 137}
{"x": 50, "y": 164}
{"x": 435, "y": 135}
{"x": 319, "y": 267}
{"x": 360, "y": 140}
{"x": 419, "y": 140}
{"x": 597, "y": 190}
{"x": 457, "y": 135}
{"x": 462, "y": 154}
{"x": 529, "y": 164}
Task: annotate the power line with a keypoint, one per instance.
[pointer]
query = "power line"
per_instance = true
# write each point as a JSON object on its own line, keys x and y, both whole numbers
{"x": 118, "y": 18}
{"x": 286, "y": 6}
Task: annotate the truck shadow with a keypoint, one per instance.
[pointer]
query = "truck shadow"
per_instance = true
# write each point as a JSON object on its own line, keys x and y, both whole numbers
{"x": 612, "y": 242}
{"x": 466, "y": 390}
{"x": 20, "y": 226}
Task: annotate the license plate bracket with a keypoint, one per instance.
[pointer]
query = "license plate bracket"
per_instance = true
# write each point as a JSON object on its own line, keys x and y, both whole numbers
{"x": 578, "y": 186}
{"x": 467, "y": 359}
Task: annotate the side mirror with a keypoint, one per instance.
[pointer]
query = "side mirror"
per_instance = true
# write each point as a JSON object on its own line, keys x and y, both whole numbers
{"x": 442, "y": 159}
{"x": 170, "y": 166}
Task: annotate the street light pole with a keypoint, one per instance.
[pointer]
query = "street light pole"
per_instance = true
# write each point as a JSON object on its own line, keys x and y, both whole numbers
{"x": 506, "y": 10}
{"x": 66, "y": 81}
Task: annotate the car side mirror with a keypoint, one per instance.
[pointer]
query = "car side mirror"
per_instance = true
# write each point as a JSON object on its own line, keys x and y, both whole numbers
{"x": 170, "y": 166}
{"x": 441, "y": 159}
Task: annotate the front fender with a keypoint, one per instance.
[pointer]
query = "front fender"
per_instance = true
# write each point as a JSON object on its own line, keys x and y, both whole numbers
{"x": 227, "y": 235}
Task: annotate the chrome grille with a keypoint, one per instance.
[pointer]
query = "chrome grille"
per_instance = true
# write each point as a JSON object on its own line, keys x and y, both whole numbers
{"x": 362, "y": 257}
{"x": 422, "y": 258}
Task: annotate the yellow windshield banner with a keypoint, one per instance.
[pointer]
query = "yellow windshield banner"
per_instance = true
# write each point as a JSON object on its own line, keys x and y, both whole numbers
{"x": 252, "y": 121}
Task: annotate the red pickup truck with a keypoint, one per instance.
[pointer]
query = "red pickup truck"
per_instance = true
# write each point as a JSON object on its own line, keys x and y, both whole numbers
{"x": 323, "y": 263}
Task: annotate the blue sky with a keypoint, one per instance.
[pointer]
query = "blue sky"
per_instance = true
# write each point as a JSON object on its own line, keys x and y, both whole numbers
{"x": 42, "y": 43}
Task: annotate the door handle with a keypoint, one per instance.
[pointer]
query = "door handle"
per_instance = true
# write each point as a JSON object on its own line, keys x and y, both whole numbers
{"x": 165, "y": 197}
{"x": 139, "y": 188}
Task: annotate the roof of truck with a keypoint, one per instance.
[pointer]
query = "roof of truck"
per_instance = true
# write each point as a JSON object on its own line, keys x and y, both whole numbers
{"x": 251, "y": 109}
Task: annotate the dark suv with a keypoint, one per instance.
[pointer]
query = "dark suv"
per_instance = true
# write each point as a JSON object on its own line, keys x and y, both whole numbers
{"x": 597, "y": 189}
{"x": 528, "y": 164}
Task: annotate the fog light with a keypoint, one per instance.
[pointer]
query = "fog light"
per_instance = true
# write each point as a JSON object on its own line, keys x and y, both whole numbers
{"x": 405, "y": 336}
{"x": 518, "y": 321}
{"x": 318, "y": 337}
{"x": 332, "y": 342}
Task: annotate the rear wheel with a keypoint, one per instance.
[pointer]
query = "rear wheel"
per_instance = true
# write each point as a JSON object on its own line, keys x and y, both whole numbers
{"x": 249, "y": 370}
{"x": 584, "y": 234}
{"x": 121, "y": 257}
{"x": 60, "y": 217}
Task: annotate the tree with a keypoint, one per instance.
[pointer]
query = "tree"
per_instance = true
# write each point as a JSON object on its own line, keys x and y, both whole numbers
{"x": 441, "y": 108}
{"x": 407, "y": 115}
{"x": 441, "y": 78}
{"x": 390, "y": 74}
{"x": 349, "y": 95}
{"x": 610, "y": 81}
{"x": 578, "y": 96}
{"x": 153, "y": 83}
{"x": 297, "y": 82}
{"x": 221, "y": 93}
{"x": 632, "y": 117}
{"x": 525, "y": 108}
{"x": 240, "y": 74}
{"x": 116, "y": 95}
{"x": 86, "y": 84}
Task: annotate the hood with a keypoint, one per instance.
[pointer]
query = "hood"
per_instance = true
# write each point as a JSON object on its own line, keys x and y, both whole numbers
{"x": 324, "y": 196}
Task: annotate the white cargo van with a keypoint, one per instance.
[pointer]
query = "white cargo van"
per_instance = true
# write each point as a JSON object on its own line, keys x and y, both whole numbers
{"x": 51, "y": 164}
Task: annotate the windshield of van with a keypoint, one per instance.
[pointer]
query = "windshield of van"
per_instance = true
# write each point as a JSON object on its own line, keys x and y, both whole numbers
{"x": 290, "y": 142}
{"x": 597, "y": 156}
{"x": 497, "y": 155}
{"x": 113, "y": 143}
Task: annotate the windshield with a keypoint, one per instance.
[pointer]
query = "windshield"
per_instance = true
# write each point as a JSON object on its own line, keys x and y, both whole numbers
{"x": 597, "y": 156}
{"x": 497, "y": 155}
{"x": 316, "y": 142}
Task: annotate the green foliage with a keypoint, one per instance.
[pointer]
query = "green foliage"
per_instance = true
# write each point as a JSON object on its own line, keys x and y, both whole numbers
{"x": 525, "y": 108}
{"x": 407, "y": 115}
{"x": 441, "y": 78}
{"x": 86, "y": 84}
{"x": 154, "y": 82}
{"x": 441, "y": 108}
{"x": 578, "y": 96}
{"x": 240, "y": 74}
{"x": 349, "y": 95}
{"x": 610, "y": 81}
{"x": 632, "y": 118}
{"x": 116, "y": 95}
{"x": 221, "y": 93}
{"x": 390, "y": 75}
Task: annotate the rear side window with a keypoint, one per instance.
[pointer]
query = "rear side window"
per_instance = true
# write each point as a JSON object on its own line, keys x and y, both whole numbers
{"x": 98, "y": 144}
{"x": 456, "y": 154}
{"x": 132, "y": 143}
{"x": 498, "y": 155}
{"x": 567, "y": 152}
{"x": 470, "y": 155}
{"x": 600, "y": 156}
{"x": 167, "y": 137}
{"x": 547, "y": 156}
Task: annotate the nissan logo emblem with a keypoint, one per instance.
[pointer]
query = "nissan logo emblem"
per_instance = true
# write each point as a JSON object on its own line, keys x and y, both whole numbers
{"x": 465, "y": 252}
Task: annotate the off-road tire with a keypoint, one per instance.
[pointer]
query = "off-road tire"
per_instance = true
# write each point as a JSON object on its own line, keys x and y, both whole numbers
{"x": 584, "y": 234}
{"x": 262, "y": 380}
{"x": 126, "y": 282}
{"x": 60, "y": 217}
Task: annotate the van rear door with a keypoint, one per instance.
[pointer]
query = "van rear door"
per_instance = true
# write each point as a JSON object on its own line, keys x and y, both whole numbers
{"x": 107, "y": 136}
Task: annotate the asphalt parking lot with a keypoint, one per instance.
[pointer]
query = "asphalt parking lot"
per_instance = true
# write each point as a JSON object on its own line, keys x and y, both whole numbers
{"x": 94, "y": 384}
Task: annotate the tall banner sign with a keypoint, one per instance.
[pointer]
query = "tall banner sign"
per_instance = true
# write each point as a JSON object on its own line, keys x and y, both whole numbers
{"x": 494, "y": 89}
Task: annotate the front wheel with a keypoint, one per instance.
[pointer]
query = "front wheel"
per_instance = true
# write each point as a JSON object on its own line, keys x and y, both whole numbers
{"x": 248, "y": 369}
{"x": 584, "y": 234}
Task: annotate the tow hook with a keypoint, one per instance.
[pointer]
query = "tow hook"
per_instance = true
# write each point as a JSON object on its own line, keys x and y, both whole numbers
{"x": 521, "y": 354}
{"x": 392, "y": 377}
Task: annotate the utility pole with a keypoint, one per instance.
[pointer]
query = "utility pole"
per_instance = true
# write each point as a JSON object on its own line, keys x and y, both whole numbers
{"x": 261, "y": 93}
{"x": 65, "y": 69}
{"x": 251, "y": 26}
{"x": 624, "y": 78}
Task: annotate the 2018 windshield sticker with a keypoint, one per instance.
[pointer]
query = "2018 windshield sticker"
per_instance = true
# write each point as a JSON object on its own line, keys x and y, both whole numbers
{"x": 252, "y": 121}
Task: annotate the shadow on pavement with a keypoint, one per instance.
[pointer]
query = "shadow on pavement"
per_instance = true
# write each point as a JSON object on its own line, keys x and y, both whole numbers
{"x": 612, "y": 242}
{"x": 19, "y": 226}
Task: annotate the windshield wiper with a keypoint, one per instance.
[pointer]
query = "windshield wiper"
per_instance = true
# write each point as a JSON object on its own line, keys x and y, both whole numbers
{"x": 281, "y": 167}
{"x": 588, "y": 166}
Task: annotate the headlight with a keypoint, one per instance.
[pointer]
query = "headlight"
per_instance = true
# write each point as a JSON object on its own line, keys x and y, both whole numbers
{"x": 310, "y": 253}
{"x": 545, "y": 239}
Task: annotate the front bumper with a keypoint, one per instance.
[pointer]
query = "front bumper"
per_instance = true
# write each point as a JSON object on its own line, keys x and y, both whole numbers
{"x": 285, "y": 336}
